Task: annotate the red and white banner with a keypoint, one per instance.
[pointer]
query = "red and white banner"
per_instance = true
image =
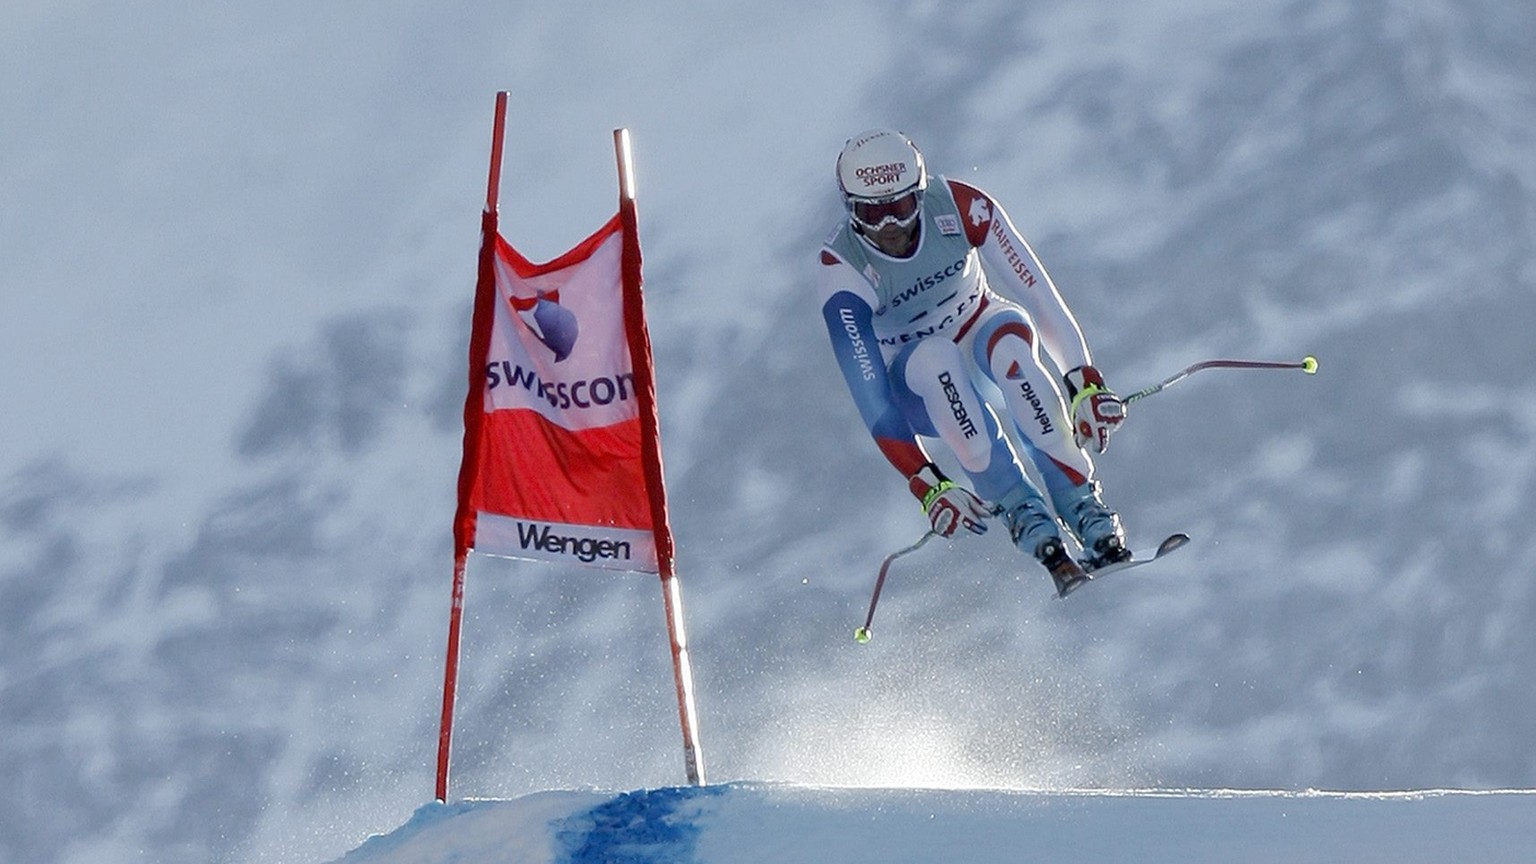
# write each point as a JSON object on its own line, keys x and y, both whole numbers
{"x": 553, "y": 447}
{"x": 562, "y": 450}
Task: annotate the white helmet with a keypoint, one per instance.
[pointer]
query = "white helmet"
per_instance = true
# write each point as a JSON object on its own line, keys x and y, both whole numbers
{"x": 882, "y": 177}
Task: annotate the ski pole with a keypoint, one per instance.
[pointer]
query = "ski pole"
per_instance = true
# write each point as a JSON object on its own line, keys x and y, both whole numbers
{"x": 1307, "y": 364}
{"x": 862, "y": 634}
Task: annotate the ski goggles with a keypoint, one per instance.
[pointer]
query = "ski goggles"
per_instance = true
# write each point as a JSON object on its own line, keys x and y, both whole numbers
{"x": 872, "y": 214}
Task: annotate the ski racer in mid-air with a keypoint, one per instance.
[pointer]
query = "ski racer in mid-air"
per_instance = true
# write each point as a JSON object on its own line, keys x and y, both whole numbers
{"x": 934, "y": 301}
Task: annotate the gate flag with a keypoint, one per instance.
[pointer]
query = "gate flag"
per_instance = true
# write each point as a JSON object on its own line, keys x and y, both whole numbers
{"x": 555, "y": 471}
{"x": 562, "y": 451}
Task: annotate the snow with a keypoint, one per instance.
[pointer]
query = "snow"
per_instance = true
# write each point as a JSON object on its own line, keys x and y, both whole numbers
{"x": 761, "y": 823}
{"x": 236, "y": 257}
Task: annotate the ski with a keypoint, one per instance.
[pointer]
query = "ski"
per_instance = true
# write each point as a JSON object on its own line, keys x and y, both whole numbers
{"x": 1070, "y": 583}
{"x": 1170, "y": 544}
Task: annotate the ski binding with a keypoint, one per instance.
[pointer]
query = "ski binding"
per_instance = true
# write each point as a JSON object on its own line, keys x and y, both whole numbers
{"x": 1170, "y": 544}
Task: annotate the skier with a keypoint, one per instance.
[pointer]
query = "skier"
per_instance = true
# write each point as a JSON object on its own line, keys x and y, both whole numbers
{"x": 933, "y": 302}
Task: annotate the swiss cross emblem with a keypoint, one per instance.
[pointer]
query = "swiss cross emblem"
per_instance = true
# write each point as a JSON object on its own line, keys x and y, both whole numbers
{"x": 981, "y": 211}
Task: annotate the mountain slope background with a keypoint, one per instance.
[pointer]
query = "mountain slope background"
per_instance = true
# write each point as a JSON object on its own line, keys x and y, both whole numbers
{"x": 237, "y": 253}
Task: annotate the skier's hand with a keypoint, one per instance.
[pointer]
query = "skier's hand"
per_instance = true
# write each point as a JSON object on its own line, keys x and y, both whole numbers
{"x": 949, "y": 506}
{"x": 1096, "y": 411}
{"x": 955, "y": 507}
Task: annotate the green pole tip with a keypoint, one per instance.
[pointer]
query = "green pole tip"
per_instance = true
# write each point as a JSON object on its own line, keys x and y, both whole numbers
{"x": 1309, "y": 364}
{"x": 861, "y": 635}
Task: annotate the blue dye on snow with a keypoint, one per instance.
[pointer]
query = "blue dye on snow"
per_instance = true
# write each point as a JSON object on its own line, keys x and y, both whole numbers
{"x": 641, "y": 827}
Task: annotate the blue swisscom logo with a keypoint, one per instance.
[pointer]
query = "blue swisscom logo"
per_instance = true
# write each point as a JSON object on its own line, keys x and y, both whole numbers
{"x": 924, "y": 283}
{"x": 582, "y": 393}
{"x": 556, "y": 329}
{"x": 542, "y": 538}
{"x": 552, "y": 324}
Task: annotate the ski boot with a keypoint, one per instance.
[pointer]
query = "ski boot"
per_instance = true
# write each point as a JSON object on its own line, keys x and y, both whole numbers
{"x": 1034, "y": 531}
{"x": 1097, "y": 526}
{"x": 1065, "y": 572}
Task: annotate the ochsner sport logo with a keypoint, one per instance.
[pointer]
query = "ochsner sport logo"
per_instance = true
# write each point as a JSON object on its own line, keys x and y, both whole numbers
{"x": 888, "y": 174}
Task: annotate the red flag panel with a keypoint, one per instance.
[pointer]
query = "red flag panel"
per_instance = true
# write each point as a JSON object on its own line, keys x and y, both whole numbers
{"x": 557, "y": 460}
{"x": 532, "y": 468}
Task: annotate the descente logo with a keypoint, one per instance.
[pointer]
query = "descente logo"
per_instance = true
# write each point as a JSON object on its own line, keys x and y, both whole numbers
{"x": 584, "y": 549}
{"x": 956, "y": 404}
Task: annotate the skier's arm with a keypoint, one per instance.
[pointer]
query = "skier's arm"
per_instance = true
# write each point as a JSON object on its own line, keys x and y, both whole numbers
{"x": 1015, "y": 271}
{"x": 848, "y": 309}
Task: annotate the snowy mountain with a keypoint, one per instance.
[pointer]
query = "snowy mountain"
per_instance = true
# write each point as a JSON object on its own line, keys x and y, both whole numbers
{"x": 236, "y": 258}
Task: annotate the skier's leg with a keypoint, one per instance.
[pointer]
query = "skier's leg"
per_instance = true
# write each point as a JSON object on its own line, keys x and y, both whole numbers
{"x": 935, "y": 394}
{"x": 1005, "y": 350}
{"x": 1081, "y": 509}
{"x": 934, "y": 389}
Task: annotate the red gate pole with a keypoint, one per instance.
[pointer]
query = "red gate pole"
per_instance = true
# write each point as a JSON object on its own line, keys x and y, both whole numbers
{"x": 474, "y": 412}
{"x": 650, "y": 447}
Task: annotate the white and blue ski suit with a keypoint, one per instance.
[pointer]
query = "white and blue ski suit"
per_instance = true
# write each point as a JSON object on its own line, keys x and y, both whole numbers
{"x": 928, "y": 343}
